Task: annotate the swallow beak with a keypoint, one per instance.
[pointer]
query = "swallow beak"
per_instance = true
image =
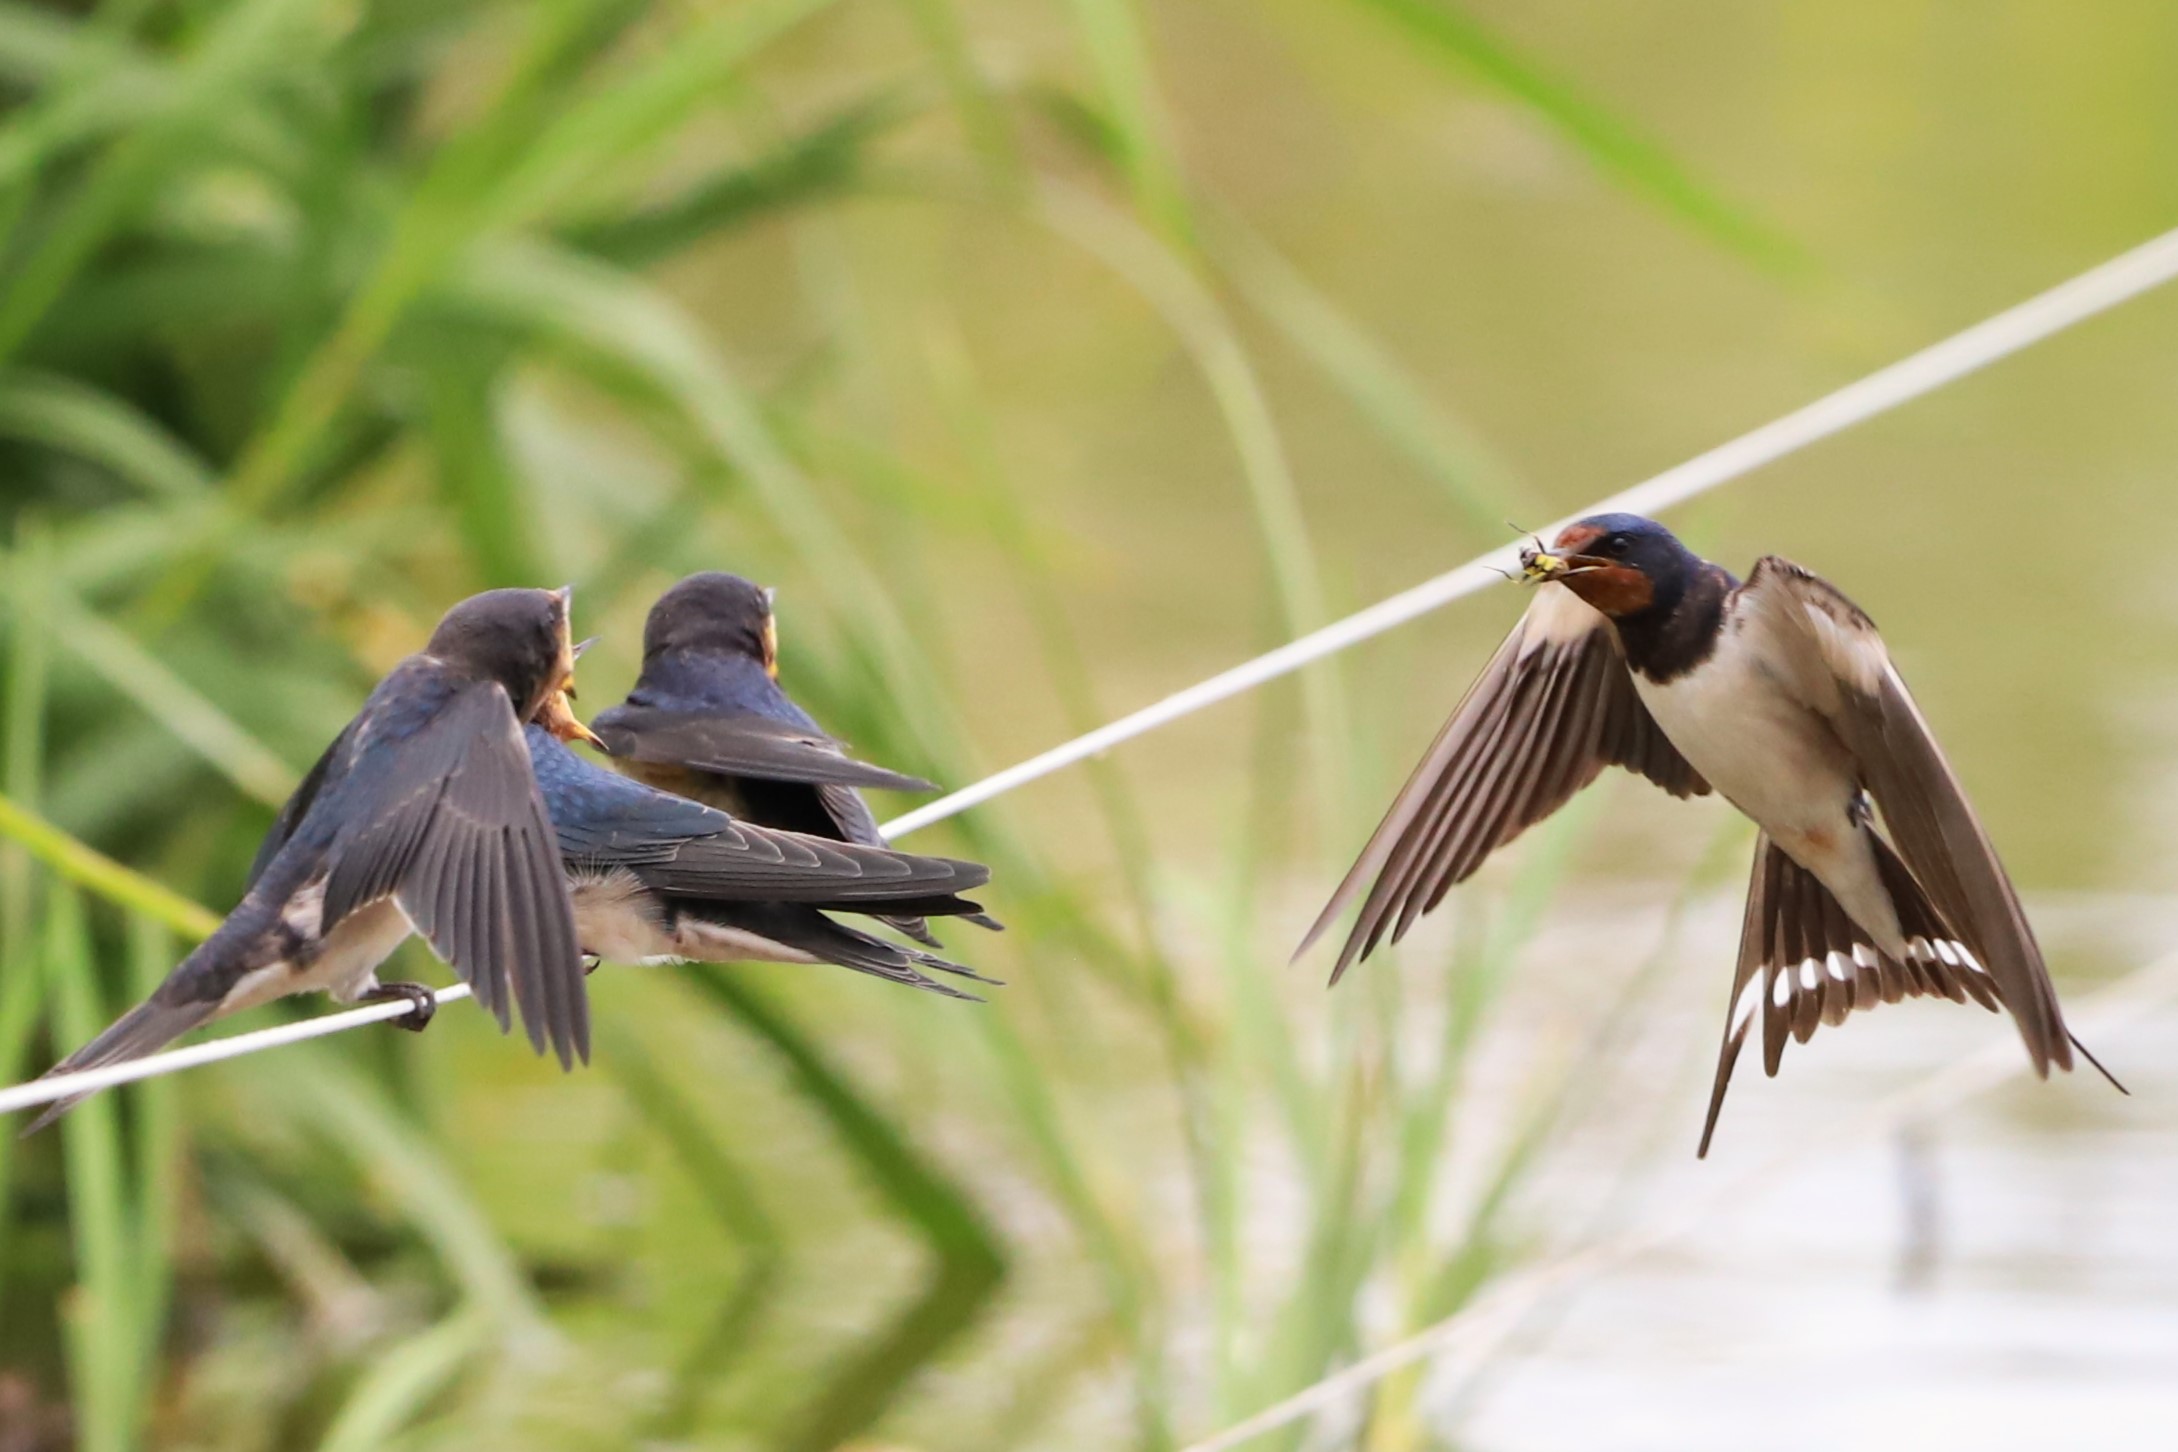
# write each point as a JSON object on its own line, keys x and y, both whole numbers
{"x": 1538, "y": 565}
{"x": 558, "y": 717}
{"x": 574, "y": 653}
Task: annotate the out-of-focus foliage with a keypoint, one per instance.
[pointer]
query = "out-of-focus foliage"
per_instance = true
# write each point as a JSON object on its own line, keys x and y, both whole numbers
{"x": 315, "y": 317}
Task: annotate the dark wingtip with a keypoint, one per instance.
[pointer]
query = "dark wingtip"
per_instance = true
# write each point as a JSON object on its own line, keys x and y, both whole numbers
{"x": 960, "y": 970}
{"x": 2088, "y": 1055}
{"x": 932, "y": 985}
{"x": 52, "y": 1112}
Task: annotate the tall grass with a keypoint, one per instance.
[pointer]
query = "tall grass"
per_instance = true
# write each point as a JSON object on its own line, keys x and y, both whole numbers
{"x": 313, "y": 318}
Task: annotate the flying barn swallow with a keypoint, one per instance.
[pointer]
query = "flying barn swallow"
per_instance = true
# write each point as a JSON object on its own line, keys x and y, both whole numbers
{"x": 661, "y": 878}
{"x": 422, "y": 816}
{"x": 1778, "y": 695}
{"x": 708, "y": 720}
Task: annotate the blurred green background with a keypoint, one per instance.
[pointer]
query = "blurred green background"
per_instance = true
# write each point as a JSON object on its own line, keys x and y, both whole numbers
{"x": 1049, "y": 356}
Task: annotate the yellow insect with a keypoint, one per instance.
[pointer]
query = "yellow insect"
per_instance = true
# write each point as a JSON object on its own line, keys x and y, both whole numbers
{"x": 1537, "y": 565}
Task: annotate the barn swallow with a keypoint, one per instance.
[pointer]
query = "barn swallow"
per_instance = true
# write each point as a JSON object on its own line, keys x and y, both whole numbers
{"x": 1778, "y": 695}
{"x": 422, "y": 816}
{"x": 708, "y": 720}
{"x": 659, "y": 878}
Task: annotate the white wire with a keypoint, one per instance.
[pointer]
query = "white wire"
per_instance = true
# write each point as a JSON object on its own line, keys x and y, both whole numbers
{"x": 173, "y": 1061}
{"x": 2124, "y": 277}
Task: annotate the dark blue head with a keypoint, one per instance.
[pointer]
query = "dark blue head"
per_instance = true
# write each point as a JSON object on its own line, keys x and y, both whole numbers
{"x": 515, "y": 637}
{"x": 1625, "y": 565}
{"x": 714, "y": 613}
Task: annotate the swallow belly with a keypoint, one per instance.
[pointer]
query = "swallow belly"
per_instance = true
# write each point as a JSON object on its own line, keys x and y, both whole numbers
{"x": 709, "y": 942}
{"x": 1782, "y": 765}
{"x": 618, "y": 919}
{"x": 343, "y": 963}
{"x": 1764, "y": 752}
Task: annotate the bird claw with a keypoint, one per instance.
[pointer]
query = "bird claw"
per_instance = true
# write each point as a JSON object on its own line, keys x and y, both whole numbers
{"x": 423, "y": 1004}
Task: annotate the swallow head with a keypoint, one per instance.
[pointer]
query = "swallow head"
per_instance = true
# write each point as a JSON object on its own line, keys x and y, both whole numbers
{"x": 1621, "y": 564}
{"x": 518, "y": 638}
{"x": 714, "y": 613}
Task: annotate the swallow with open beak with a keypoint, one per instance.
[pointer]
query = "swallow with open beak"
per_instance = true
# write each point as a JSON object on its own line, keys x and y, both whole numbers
{"x": 708, "y": 720}
{"x": 659, "y": 878}
{"x": 1777, "y": 694}
{"x": 423, "y": 816}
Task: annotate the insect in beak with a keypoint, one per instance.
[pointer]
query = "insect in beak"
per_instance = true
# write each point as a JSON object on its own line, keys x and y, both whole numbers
{"x": 1538, "y": 564}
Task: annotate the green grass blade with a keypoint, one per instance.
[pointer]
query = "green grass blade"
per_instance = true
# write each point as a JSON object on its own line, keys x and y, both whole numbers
{"x": 1194, "y": 316}
{"x": 990, "y": 132}
{"x": 1111, "y": 30}
{"x": 356, "y": 1117}
{"x": 405, "y": 1379}
{"x": 104, "y": 1336}
{"x": 603, "y": 131}
{"x": 631, "y": 336}
{"x": 92, "y": 869}
{"x": 827, "y": 161}
{"x": 23, "y": 691}
{"x": 245, "y": 40}
{"x": 64, "y": 414}
{"x": 132, "y": 669}
{"x": 970, "y": 1262}
{"x": 732, "y": 1196}
{"x": 156, "y": 1166}
{"x": 491, "y": 502}
{"x": 1614, "y": 146}
{"x": 26, "y": 684}
{"x": 444, "y": 213}
{"x": 1463, "y": 465}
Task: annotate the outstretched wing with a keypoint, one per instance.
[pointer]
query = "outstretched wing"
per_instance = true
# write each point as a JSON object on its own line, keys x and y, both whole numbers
{"x": 439, "y": 812}
{"x": 1836, "y": 663}
{"x": 741, "y": 744}
{"x": 1555, "y": 705}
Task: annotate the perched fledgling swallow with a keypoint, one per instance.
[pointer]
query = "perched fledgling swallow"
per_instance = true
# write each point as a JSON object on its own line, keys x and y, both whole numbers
{"x": 1778, "y": 695}
{"x": 708, "y": 720}
{"x": 659, "y": 878}
{"x": 422, "y": 816}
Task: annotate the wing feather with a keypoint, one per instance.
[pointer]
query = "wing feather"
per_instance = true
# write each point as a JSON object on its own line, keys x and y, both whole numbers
{"x": 1804, "y": 962}
{"x": 742, "y": 744}
{"x": 1843, "y": 671}
{"x": 604, "y": 820}
{"x": 445, "y": 818}
{"x": 1554, "y": 706}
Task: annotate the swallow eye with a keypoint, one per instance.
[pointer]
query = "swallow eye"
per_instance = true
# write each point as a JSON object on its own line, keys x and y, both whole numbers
{"x": 1616, "y": 546}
